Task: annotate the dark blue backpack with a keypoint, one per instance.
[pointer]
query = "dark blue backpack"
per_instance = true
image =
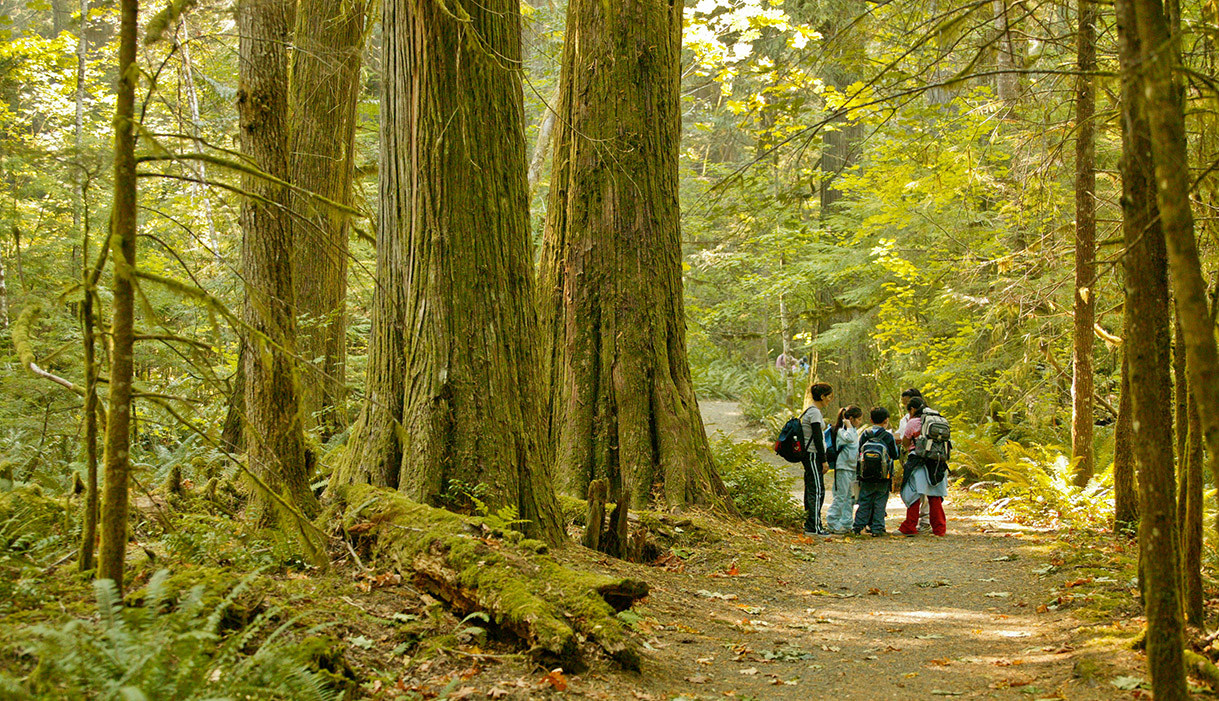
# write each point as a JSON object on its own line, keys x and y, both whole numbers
{"x": 790, "y": 444}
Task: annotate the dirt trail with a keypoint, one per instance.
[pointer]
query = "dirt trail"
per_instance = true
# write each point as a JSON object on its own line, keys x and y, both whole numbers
{"x": 858, "y": 617}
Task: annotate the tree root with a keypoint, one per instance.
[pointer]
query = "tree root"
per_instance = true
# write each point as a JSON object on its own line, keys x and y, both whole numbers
{"x": 472, "y": 565}
{"x": 1201, "y": 667}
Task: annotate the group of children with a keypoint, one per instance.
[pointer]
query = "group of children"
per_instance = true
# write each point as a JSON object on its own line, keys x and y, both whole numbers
{"x": 862, "y": 460}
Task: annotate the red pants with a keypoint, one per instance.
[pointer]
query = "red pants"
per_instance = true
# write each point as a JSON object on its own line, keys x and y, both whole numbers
{"x": 939, "y": 523}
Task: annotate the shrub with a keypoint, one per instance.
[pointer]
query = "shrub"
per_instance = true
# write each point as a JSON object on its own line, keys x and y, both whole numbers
{"x": 759, "y": 490}
{"x": 34, "y": 533}
{"x": 764, "y": 401}
{"x": 159, "y": 650}
{"x": 1038, "y": 488}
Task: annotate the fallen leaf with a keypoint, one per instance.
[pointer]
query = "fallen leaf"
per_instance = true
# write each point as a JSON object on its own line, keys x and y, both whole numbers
{"x": 998, "y": 594}
{"x": 496, "y": 692}
{"x": 556, "y": 679}
{"x": 748, "y": 672}
{"x": 705, "y": 660}
{"x": 1128, "y": 683}
{"x": 698, "y": 679}
{"x": 464, "y": 692}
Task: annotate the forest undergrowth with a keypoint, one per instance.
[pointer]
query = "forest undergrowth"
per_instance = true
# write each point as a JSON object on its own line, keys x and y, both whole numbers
{"x": 218, "y": 608}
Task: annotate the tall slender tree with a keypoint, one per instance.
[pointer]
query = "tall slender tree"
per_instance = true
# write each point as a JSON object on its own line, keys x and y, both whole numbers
{"x": 622, "y": 403}
{"x": 275, "y": 440}
{"x": 1160, "y": 56}
{"x": 452, "y": 379}
{"x": 117, "y": 460}
{"x": 1148, "y": 357}
{"x": 1082, "y": 385}
{"x": 1125, "y": 491}
{"x": 325, "y": 87}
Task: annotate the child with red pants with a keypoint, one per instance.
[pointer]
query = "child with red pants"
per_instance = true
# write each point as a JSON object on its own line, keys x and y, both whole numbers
{"x": 916, "y": 480}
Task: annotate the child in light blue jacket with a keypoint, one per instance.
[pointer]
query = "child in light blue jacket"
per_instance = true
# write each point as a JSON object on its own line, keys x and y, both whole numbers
{"x": 841, "y": 515}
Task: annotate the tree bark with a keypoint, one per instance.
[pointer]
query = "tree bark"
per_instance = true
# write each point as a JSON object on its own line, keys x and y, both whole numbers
{"x": 452, "y": 379}
{"x": 88, "y": 535}
{"x": 558, "y": 612}
{"x": 1125, "y": 491}
{"x": 1192, "y": 509}
{"x": 1082, "y": 385}
{"x": 122, "y": 326}
{"x": 1159, "y": 51}
{"x": 1007, "y": 82}
{"x": 275, "y": 441}
{"x": 622, "y": 404}
{"x": 325, "y": 90}
{"x": 1147, "y": 348}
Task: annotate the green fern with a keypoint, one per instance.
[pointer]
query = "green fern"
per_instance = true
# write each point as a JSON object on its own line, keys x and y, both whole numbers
{"x": 163, "y": 651}
{"x": 1037, "y": 488}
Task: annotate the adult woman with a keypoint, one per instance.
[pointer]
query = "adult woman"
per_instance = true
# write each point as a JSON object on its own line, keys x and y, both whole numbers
{"x": 815, "y": 466}
{"x": 841, "y": 515}
{"x": 916, "y": 482}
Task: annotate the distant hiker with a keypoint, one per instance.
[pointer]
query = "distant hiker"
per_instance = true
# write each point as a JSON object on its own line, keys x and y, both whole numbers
{"x": 815, "y": 465}
{"x": 802, "y": 368}
{"x": 784, "y": 363}
{"x": 924, "y": 513}
{"x": 877, "y": 451}
{"x": 846, "y": 429}
{"x": 922, "y": 477}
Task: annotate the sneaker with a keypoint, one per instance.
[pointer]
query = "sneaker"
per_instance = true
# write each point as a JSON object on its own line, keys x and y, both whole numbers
{"x": 840, "y": 531}
{"x": 880, "y": 534}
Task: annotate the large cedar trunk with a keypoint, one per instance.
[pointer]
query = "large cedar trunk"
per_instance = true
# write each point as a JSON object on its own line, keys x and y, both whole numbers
{"x": 1148, "y": 343}
{"x": 275, "y": 440}
{"x": 622, "y": 404}
{"x": 116, "y": 461}
{"x": 453, "y": 392}
{"x": 1082, "y": 420}
{"x": 325, "y": 88}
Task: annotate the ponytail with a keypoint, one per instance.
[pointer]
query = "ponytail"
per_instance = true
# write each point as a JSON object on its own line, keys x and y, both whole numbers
{"x": 847, "y": 412}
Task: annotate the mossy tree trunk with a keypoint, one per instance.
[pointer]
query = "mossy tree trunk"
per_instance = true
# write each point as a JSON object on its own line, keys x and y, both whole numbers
{"x": 325, "y": 87}
{"x": 1125, "y": 491}
{"x": 557, "y": 611}
{"x": 123, "y": 221}
{"x": 622, "y": 404}
{"x": 1082, "y": 420}
{"x": 453, "y": 393}
{"x": 1193, "y": 467}
{"x": 1160, "y": 54}
{"x": 1148, "y": 341}
{"x": 274, "y": 434}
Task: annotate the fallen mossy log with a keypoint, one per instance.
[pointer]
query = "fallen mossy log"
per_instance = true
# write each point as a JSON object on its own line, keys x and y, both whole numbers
{"x": 561, "y": 613}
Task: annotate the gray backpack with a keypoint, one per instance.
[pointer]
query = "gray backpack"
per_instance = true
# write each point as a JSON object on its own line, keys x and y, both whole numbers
{"x": 933, "y": 444}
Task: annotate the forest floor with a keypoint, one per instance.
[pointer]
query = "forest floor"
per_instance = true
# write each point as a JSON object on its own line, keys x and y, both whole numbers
{"x": 995, "y": 610}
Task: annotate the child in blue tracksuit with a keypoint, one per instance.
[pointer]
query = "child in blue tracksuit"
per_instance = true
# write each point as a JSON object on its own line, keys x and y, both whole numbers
{"x": 874, "y": 494}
